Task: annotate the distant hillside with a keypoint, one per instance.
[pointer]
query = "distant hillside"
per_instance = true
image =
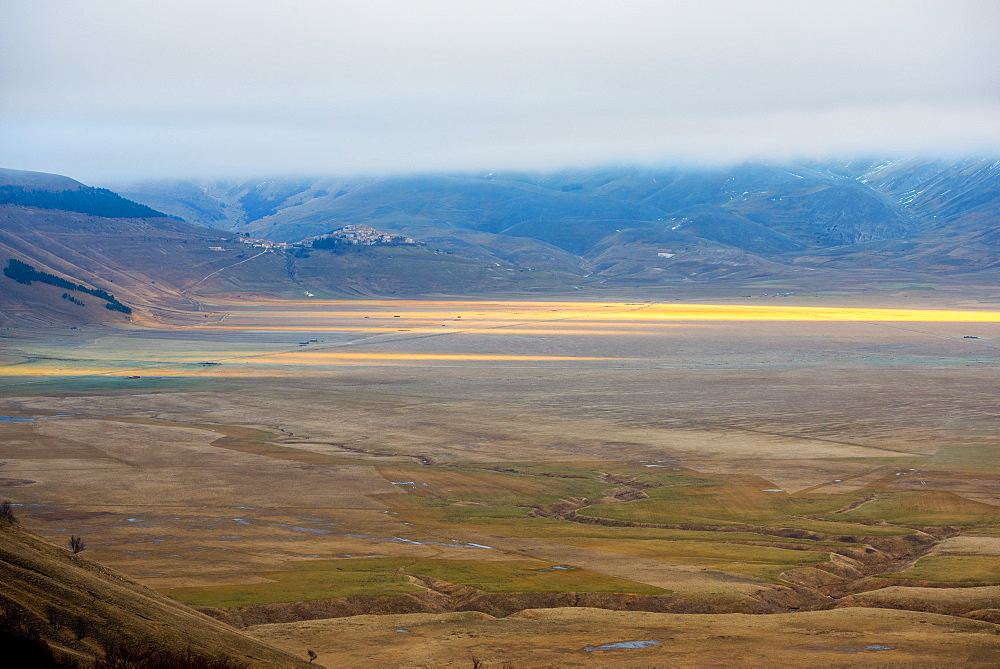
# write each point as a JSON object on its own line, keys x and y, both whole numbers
{"x": 93, "y": 201}
{"x": 51, "y": 191}
{"x": 145, "y": 263}
{"x": 656, "y": 225}
{"x": 58, "y": 608}
{"x": 37, "y": 180}
{"x": 815, "y": 225}
{"x": 86, "y": 268}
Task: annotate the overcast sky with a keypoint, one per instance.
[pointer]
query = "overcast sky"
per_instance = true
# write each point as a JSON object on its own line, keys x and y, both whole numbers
{"x": 116, "y": 89}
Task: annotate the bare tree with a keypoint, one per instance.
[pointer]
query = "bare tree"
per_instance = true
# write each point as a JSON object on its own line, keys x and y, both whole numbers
{"x": 7, "y": 511}
{"x": 76, "y": 544}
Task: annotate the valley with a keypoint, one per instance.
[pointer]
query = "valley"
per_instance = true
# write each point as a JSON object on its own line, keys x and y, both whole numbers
{"x": 325, "y": 473}
{"x": 531, "y": 334}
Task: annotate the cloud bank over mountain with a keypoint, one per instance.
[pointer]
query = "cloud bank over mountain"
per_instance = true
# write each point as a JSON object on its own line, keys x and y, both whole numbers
{"x": 114, "y": 89}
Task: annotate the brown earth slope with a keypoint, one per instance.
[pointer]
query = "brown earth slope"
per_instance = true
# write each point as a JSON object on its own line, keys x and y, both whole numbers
{"x": 81, "y": 608}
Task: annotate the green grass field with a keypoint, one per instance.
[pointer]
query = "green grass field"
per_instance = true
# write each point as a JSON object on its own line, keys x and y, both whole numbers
{"x": 924, "y": 508}
{"x": 764, "y": 562}
{"x": 448, "y": 486}
{"x": 527, "y": 576}
{"x": 978, "y": 569}
{"x": 312, "y": 579}
{"x": 327, "y": 579}
{"x": 735, "y": 503}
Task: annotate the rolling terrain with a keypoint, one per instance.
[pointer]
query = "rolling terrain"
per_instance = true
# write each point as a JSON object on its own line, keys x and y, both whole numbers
{"x": 574, "y": 473}
{"x": 527, "y": 439}
{"x": 84, "y": 611}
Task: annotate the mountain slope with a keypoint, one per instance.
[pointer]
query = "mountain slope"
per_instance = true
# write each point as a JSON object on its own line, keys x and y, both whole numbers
{"x": 146, "y": 263}
{"x": 81, "y": 609}
{"x": 37, "y": 180}
{"x": 159, "y": 267}
{"x": 907, "y": 215}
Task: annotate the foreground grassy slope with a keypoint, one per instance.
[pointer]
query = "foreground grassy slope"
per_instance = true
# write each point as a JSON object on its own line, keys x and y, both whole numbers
{"x": 582, "y": 637}
{"x": 81, "y": 608}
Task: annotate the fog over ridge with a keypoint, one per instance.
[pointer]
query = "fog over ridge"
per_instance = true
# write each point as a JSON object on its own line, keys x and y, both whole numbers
{"x": 113, "y": 89}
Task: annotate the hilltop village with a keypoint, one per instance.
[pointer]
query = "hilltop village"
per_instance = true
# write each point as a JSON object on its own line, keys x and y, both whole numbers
{"x": 356, "y": 234}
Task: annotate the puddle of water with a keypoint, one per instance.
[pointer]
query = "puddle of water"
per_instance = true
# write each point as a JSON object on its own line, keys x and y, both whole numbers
{"x": 241, "y": 521}
{"x": 295, "y": 528}
{"x": 12, "y": 419}
{"x": 772, "y": 490}
{"x": 623, "y": 645}
{"x": 870, "y": 648}
{"x": 352, "y": 555}
{"x": 401, "y": 540}
{"x": 404, "y": 631}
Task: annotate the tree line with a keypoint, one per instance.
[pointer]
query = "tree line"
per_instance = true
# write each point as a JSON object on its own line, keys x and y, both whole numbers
{"x": 24, "y": 273}
{"x": 86, "y": 200}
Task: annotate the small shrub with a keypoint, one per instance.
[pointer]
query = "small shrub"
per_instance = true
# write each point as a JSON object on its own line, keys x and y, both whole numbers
{"x": 7, "y": 511}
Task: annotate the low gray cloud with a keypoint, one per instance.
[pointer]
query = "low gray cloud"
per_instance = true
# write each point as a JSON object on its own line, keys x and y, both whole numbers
{"x": 114, "y": 89}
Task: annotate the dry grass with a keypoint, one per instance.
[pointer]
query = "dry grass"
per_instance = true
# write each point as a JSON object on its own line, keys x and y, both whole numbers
{"x": 932, "y": 507}
{"x": 283, "y": 455}
{"x": 984, "y": 569}
{"x": 763, "y": 562}
{"x": 844, "y": 637}
{"x": 80, "y": 607}
{"x": 953, "y": 601}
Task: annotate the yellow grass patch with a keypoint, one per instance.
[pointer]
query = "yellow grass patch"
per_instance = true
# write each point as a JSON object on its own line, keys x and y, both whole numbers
{"x": 604, "y": 311}
{"x": 334, "y": 357}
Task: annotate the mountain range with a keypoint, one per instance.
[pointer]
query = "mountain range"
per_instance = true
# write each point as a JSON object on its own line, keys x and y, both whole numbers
{"x": 646, "y": 225}
{"x": 160, "y": 247}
